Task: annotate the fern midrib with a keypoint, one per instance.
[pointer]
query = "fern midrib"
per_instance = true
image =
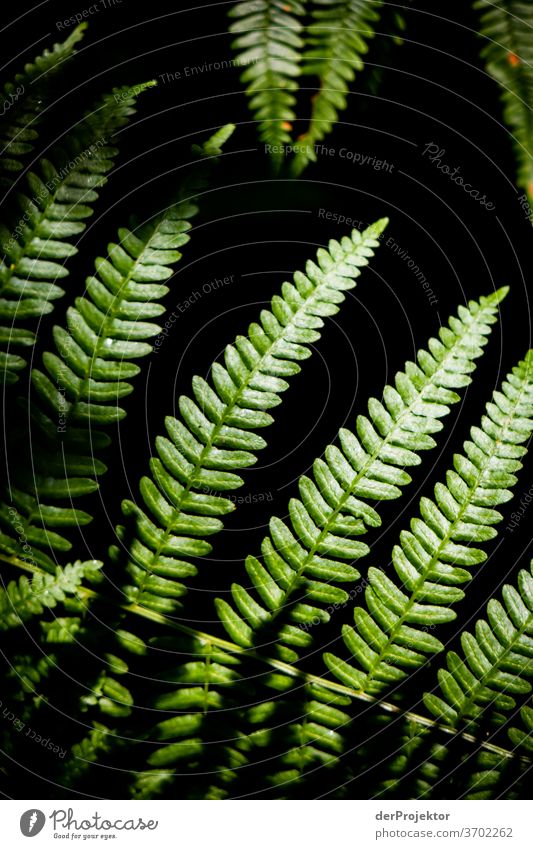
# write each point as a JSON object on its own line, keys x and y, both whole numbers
{"x": 228, "y": 409}
{"x": 293, "y": 671}
{"x": 371, "y": 459}
{"x": 447, "y": 539}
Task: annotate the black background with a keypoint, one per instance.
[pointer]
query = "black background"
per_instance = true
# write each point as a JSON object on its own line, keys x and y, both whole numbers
{"x": 431, "y": 89}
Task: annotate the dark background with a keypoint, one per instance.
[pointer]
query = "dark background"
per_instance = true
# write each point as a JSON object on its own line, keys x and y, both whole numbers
{"x": 431, "y": 89}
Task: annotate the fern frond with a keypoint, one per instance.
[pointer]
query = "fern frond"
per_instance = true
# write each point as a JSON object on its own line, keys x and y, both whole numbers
{"x": 188, "y": 709}
{"x": 22, "y": 101}
{"x": 454, "y": 768}
{"x": 84, "y": 380}
{"x": 523, "y": 737}
{"x": 507, "y": 27}
{"x": 393, "y": 636}
{"x": 495, "y": 663}
{"x": 336, "y": 42}
{"x": 414, "y": 765}
{"x": 51, "y": 211}
{"x": 269, "y": 42}
{"x": 218, "y": 721}
{"x": 216, "y": 434}
{"x": 88, "y": 751}
{"x": 310, "y": 739}
{"x": 23, "y": 599}
{"x": 307, "y": 558}
{"x": 82, "y": 383}
{"x": 108, "y": 326}
{"x": 486, "y": 778}
{"x": 495, "y": 776}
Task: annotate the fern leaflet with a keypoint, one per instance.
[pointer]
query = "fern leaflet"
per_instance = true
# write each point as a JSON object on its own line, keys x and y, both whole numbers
{"x": 523, "y": 737}
{"x": 23, "y": 599}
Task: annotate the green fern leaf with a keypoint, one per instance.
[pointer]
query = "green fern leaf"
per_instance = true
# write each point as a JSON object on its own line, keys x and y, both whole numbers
{"x": 392, "y": 636}
{"x": 314, "y": 741}
{"x": 24, "y": 599}
{"x": 508, "y": 51}
{"x": 80, "y": 389}
{"x": 496, "y": 662}
{"x": 415, "y": 763}
{"x": 22, "y": 105}
{"x": 336, "y": 42}
{"x": 495, "y": 775}
{"x": 84, "y": 381}
{"x": 50, "y": 213}
{"x": 270, "y": 44}
{"x": 523, "y": 737}
{"x": 27, "y": 675}
{"x": 304, "y": 561}
{"x": 179, "y": 738}
{"x": 88, "y": 751}
{"x": 215, "y": 436}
